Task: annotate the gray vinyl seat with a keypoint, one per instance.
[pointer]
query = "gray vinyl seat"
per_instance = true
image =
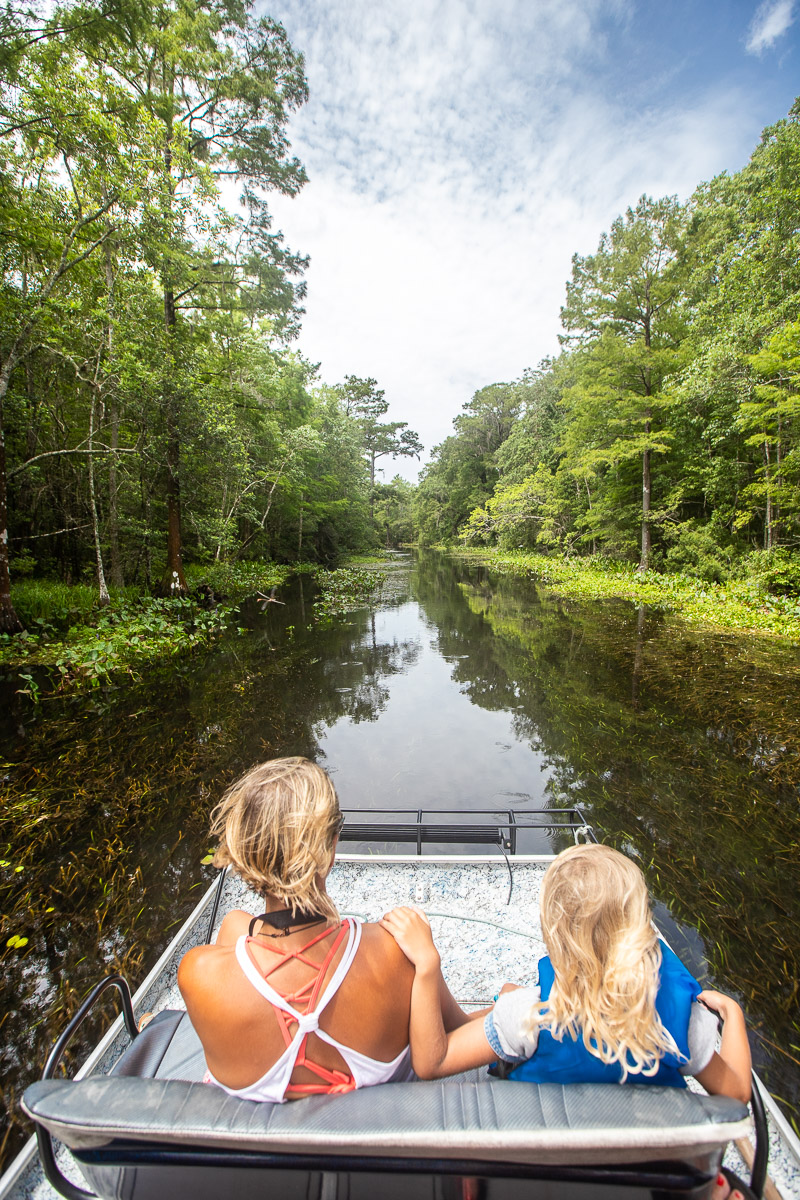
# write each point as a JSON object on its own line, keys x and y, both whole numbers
{"x": 151, "y": 1130}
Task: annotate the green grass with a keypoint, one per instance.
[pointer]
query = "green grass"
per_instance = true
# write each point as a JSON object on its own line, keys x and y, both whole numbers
{"x": 739, "y": 605}
{"x": 80, "y": 644}
{"x": 376, "y": 559}
{"x": 49, "y": 600}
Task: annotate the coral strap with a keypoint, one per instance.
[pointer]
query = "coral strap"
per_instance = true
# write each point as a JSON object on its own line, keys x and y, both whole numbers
{"x": 333, "y": 1082}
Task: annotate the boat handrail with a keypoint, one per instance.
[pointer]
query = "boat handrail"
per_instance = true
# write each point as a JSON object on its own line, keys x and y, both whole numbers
{"x": 429, "y": 826}
{"x": 43, "y": 1138}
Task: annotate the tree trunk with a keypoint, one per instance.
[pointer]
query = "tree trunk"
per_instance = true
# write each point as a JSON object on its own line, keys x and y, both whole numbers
{"x": 113, "y": 517}
{"x": 102, "y": 590}
{"x": 173, "y": 582}
{"x": 768, "y": 523}
{"x": 117, "y": 578}
{"x": 9, "y": 621}
{"x": 372, "y": 488}
{"x": 589, "y": 500}
{"x": 644, "y": 561}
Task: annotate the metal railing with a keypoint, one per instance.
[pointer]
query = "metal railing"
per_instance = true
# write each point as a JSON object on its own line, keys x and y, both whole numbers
{"x": 494, "y": 827}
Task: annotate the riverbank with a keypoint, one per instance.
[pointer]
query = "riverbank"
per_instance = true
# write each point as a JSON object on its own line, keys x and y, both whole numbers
{"x": 737, "y": 605}
{"x": 70, "y": 641}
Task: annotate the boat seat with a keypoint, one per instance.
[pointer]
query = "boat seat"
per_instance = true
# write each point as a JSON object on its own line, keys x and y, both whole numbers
{"x": 134, "y": 1130}
{"x": 167, "y": 1048}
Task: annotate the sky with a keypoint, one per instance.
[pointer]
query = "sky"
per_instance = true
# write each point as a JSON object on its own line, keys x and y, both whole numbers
{"x": 459, "y": 152}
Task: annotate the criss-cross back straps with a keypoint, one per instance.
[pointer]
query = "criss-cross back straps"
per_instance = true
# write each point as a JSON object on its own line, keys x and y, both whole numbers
{"x": 333, "y": 1081}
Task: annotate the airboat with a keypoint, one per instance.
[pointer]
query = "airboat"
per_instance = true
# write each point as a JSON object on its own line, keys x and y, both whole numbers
{"x": 138, "y": 1122}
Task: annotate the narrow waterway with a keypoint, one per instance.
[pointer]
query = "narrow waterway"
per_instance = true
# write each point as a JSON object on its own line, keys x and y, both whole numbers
{"x": 457, "y": 689}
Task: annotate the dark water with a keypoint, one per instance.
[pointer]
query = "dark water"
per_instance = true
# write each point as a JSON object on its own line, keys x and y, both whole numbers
{"x": 460, "y": 689}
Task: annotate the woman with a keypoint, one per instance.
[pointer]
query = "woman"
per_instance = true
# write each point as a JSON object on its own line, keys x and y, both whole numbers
{"x": 296, "y": 1001}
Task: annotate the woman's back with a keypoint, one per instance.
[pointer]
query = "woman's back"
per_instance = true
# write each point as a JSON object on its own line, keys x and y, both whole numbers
{"x": 243, "y": 1035}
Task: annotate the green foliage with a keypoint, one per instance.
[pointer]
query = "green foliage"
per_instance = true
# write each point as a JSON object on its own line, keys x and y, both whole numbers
{"x": 462, "y": 472}
{"x": 156, "y": 418}
{"x": 346, "y": 588}
{"x": 774, "y": 571}
{"x": 668, "y": 430}
{"x": 694, "y": 550}
{"x": 393, "y": 512}
{"x": 730, "y": 606}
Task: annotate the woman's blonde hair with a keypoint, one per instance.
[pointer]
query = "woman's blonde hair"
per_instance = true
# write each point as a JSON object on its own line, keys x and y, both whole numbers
{"x": 597, "y": 927}
{"x": 276, "y": 827}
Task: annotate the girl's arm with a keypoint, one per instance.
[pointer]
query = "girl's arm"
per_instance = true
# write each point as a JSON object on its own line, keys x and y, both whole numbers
{"x": 729, "y": 1071}
{"x": 434, "y": 1052}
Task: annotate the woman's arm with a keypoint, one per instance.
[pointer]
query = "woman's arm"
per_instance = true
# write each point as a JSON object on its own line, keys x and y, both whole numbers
{"x": 434, "y": 1051}
{"x": 729, "y": 1071}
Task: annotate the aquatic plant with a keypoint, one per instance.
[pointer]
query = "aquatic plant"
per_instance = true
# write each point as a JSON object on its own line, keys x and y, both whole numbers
{"x": 346, "y": 588}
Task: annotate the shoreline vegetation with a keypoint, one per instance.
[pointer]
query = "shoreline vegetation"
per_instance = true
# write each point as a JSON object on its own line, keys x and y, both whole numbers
{"x": 736, "y": 606}
{"x": 72, "y": 641}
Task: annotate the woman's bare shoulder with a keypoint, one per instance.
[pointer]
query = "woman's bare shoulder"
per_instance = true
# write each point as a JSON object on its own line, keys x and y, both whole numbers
{"x": 202, "y": 966}
{"x": 384, "y": 949}
{"x": 233, "y": 925}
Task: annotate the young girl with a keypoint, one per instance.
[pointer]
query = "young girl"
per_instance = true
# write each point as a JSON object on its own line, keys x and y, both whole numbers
{"x": 612, "y": 1002}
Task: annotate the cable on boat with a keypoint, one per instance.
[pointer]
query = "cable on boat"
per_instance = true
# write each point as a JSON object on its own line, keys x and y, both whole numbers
{"x": 458, "y": 917}
{"x": 502, "y": 850}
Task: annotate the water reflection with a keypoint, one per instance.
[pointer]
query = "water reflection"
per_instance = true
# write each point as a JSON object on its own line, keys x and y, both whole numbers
{"x": 459, "y": 690}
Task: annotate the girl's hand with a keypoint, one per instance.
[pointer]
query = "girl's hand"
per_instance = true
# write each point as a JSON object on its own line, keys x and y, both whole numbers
{"x": 728, "y": 1072}
{"x": 718, "y": 1002}
{"x": 411, "y": 929}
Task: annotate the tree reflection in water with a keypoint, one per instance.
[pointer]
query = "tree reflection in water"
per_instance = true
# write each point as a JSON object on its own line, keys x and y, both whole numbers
{"x": 459, "y": 689}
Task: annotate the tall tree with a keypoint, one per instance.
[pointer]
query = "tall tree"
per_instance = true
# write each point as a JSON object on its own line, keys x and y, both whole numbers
{"x": 364, "y": 400}
{"x": 220, "y": 83}
{"x": 72, "y": 145}
{"x": 625, "y": 306}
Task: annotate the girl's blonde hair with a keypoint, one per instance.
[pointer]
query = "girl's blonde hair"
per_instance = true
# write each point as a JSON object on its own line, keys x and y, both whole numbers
{"x": 276, "y": 827}
{"x": 597, "y": 927}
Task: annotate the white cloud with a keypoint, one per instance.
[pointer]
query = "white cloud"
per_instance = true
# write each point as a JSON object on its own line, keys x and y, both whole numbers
{"x": 771, "y": 21}
{"x": 459, "y": 152}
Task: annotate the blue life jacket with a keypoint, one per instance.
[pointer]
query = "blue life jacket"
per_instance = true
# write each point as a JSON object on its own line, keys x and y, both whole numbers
{"x": 568, "y": 1061}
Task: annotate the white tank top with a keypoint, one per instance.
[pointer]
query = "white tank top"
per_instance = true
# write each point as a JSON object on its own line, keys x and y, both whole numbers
{"x": 273, "y": 1083}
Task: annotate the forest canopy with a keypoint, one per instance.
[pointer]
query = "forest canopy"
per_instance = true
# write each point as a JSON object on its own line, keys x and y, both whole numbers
{"x": 152, "y": 407}
{"x": 667, "y": 431}
{"x": 154, "y": 411}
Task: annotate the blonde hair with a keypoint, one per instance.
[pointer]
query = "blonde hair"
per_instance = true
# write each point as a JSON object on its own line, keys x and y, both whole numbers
{"x": 598, "y": 930}
{"x": 276, "y": 827}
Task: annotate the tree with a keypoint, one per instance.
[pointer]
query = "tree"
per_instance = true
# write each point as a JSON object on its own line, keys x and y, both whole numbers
{"x": 394, "y": 515}
{"x": 463, "y": 469}
{"x": 625, "y": 309}
{"x": 72, "y": 148}
{"x": 364, "y": 400}
{"x": 744, "y": 290}
{"x": 220, "y": 83}
{"x": 772, "y": 421}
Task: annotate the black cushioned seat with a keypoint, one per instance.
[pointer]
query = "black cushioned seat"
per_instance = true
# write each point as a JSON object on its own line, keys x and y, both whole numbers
{"x": 134, "y": 1134}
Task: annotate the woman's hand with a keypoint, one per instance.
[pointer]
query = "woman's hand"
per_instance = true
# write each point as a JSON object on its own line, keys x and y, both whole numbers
{"x": 411, "y": 929}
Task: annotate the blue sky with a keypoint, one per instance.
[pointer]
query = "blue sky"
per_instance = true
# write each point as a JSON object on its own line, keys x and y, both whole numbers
{"x": 459, "y": 152}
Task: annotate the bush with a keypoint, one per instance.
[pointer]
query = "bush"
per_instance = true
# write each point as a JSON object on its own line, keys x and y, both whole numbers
{"x": 694, "y": 550}
{"x": 775, "y": 571}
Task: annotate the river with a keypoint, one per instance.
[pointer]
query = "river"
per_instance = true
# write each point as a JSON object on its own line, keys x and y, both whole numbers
{"x": 456, "y": 689}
